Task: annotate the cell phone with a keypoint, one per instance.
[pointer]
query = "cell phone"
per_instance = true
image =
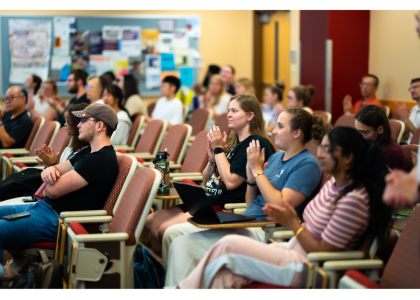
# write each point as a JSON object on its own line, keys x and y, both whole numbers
{"x": 16, "y": 216}
{"x": 26, "y": 200}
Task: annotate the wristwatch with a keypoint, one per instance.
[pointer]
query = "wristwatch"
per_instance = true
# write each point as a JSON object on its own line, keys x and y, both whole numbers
{"x": 218, "y": 150}
{"x": 1, "y": 123}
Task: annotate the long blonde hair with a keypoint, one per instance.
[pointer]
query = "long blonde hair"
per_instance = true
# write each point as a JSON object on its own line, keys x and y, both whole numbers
{"x": 54, "y": 85}
{"x": 249, "y": 103}
{"x": 248, "y": 84}
{"x": 222, "y": 88}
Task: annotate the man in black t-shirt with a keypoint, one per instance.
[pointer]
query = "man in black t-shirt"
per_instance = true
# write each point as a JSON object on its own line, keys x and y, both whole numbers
{"x": 81, "y": 183}
{"x": 76, "y": 85}
{"x": 15, "y": 124}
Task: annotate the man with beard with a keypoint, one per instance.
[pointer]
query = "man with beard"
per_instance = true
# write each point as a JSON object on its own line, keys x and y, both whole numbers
{"x": 72, "y": 185}
{"x": 76, "y": 85}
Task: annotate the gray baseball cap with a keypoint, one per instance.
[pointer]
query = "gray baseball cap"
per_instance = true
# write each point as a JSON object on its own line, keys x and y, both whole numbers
{"x": 103, "y": 112}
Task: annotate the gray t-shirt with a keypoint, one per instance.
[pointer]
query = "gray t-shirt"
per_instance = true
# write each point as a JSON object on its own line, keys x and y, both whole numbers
{"x": 301, "y": 173}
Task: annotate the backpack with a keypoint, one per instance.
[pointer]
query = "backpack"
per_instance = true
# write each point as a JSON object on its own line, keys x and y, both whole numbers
{"x": 148, "y": 272}
{"x": 44, "y": 274}
{"x": 20, "y": 184}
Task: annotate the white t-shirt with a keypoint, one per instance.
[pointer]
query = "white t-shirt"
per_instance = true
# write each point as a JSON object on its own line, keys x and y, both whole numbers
{"x": 40, "y": 108}
{"x": 170, "y": 111}
{"x": 223, "y": 105}
{"x": 100, "y": 101}
{"x": 120, "y": 135}
{"x": 415, "y": 119}
{"x": 136, "y": 105}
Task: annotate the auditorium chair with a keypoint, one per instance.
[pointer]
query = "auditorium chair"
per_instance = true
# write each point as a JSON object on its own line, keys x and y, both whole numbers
{"x": 133, "y": 136}
{"x": 150, "y": 108}
{"x": 397, "y": 129}
{"x": 325, "y": 115}
{"x": 345, "y": 121}
{"x": 199, "y": 121}
{"x": 416, "y": 137}
{"x": 105, "y": 260}
{"x": 407, "y": 153}
{"x": 222, "y": 122}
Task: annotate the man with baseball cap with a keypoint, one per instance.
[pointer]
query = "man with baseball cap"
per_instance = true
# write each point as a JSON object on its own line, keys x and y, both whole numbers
{"x": 81, "y": 183}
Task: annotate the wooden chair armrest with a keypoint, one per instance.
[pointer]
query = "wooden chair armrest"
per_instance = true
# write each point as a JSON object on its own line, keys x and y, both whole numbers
{"x": 143, "y": 155}
{"x": 83, "y": 213}
{"x": 36, "y": 167}
{"x": 193, "y": 178}
{"x": 98, "y": 237}
{"x": 358, "y": 264}
{"x": 17, "y": 151}
{"x": 239, "y": 211}
{"x": 338, "y": 255}
{"x": 282, "y": 235}
{"x": 123, "y": 147}
{"x": 89, "y": 219}
{"x": 172, "y": 175}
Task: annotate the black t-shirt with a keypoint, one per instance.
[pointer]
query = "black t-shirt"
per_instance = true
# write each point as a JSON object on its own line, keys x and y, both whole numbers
{"x": 231, "y": 90}
{"x": 216, "y": 189}
{"x": 18, "y": 128}
{"x": 100, "y": 170}
{"x": 72, "y": 102}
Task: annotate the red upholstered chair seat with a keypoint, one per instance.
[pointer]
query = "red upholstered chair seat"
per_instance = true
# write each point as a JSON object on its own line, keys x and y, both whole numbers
{"x": 41, "y": 245}
{"x": 20, "y": 165}
{"x": 122, "y": 151}
{"x": 141, "y": 160}
{"x": 78, "y": 228}
{"x": 361, "y": 278}
{"x": 8, "y": 155}
{"x": 186, "y": 180}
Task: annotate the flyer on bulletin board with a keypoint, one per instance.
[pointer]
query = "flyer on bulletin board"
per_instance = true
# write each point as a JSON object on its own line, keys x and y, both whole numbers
{"x": 153, "y": 71}
{"x": 111, "y": 36}
{"x": 131, "y": 41}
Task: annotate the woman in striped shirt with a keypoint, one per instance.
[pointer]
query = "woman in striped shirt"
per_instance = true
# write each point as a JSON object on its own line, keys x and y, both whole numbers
{"x": 348, "y": 209}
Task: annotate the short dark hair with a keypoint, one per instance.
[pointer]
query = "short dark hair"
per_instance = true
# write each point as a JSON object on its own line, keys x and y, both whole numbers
{"x": 374, "y": 77}
{"x": 130, "y": 86}
{"x": 108, "y": 76}
{"x": 108, "y": 129}
{"x": 232, "y": 68}
{"x": 24, "y": 93}
{"x": 415, "y": 80}
{"x": 172, "y": 80}
{"x": 37, "y": 80}
{"x": 79, "y": 74}
{"x": 116, "y": 92}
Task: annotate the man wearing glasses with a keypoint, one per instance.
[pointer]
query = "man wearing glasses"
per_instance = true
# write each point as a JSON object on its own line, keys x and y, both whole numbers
{"x": 15, "y": 124}
{"x": 83, "y": 182}
{"x": 368, "y": 88}
{"x": 76, "y": 85}
{"x": 411, "y": 120}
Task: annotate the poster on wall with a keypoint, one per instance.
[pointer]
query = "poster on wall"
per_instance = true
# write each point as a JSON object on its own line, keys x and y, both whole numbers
{"x": 62, "y": 35}
{"x": 59, "y": 66}
{"x": 98, "y": 65}
{"x": 194, "y": 27}
{"x": 131, "y": 41}
{"x": 181, "y": 40}
{"x": 166, "y": 25}
{"x": 111, "y": 36}
{"x": 95, "y": 42}
{"x": 30, "y": 47}
{"x": 166, "y": 43}
{"x": 149, "y": 40}
{"x": 153, "y": 71}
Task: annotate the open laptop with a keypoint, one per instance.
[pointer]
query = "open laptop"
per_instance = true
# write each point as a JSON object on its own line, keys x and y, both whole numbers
{"x": 200, "y": 207}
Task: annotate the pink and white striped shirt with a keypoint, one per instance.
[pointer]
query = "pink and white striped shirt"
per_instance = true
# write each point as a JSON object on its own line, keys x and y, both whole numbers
{"x": 342, "y": 223}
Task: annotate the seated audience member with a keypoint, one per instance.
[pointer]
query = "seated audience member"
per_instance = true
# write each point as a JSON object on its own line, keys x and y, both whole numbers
{"x": 15, "y": 124}
{"x": 113, "y": 97}
{"x": 168, "y": 108}
{"x": 76, "y": 85}
{"x": 301, "y": 96}
{"x": 39, "y": 106}
{"x": 212, "y": 70}
{"x": 48, "y": 158}
{"x": 71, "y": 186}
{"x": 78, "y": 45}
{"x": 300, "y": 176}
{"x": 346, "y": 212}
{"x": 402, "y": 189}
{"x": 225, "y": 174}
{"x": 244, "y": 86}
{"x": 94, "y": 89}
{"x": 273, "y": 96}
{"x": 108, "y": 78}
{"x": 372, "y": 123}
{"x": 216, "y": 99}
{"x": 32, "y": 85}
{"x": 368, "y": 88}
{"x": 133, "y": 103}
{"x": 228, "y": 75}
{"x": 411, "y": 119}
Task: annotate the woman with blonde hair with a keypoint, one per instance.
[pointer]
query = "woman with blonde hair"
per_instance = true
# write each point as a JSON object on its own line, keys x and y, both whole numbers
{"x": 94, "y": 89}
{"x": 301, "y": 96}
{"x": 216, "y": 98}
{"x": 244, "y": 86}
{"x": 225, "y": 174}
{"x": 39, "y": 106}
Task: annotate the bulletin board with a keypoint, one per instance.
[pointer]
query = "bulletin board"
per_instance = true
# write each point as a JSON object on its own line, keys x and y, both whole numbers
{"x": 96, "y": 24}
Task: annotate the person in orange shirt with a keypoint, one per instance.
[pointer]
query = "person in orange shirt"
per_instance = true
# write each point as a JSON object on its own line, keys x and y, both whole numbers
{"x": 368, "y": 88}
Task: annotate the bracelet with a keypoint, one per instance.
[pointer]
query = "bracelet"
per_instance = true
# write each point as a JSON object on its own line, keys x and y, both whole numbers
{"x": 299, "y": 231}
{"x": 212, "y": 163}
{"x": 249, "y": 183}
{"x": 258, "y": 174}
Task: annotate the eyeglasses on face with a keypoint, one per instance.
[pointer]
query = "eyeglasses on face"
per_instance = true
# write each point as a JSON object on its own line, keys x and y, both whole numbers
{"x": 364, "y": 132}
{"x": 413, "y": 87}
{"x": 323, "y": 149}
{"x": 366, "y": 84}
{"x": 83, "y": 121}
{"x": 11, "y": 98}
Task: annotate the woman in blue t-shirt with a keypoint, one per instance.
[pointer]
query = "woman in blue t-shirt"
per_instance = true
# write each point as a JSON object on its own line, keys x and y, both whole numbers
{"x": 292, "y": 176}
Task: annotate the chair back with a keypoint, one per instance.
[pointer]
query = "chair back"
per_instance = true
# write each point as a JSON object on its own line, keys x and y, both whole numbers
{"x": 386, "y": 109}
{"x": 196, "y": 158}
{"x": 152, "y": 137}
{"x": 407, "y": 153}
{"x": 60, "y": 141}
{"x": 416, "y": 137}
{"x": 312, "y": 147}
{"x": 135, "y": 131}
{"x": 397, "y": 129}
{"x": 199, "y": 120}
{"x": 37, "y": 122}
{"x": 402, "y": 269}
{"x": 44, "y": 136}
{"x": 185, "y": 111}
{"x": 325, "y": 115}
{"x": 150, "y": 108}
{"x": 127, "y": 166}
{"x": 176, "y": 141}
{"x": 222, "y": 122}
{"x": 345, "y": 121}
{"x": 135, "y": 204}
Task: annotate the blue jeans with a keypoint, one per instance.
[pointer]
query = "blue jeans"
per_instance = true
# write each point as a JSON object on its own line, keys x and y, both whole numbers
{"x": 41, "y": 226}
